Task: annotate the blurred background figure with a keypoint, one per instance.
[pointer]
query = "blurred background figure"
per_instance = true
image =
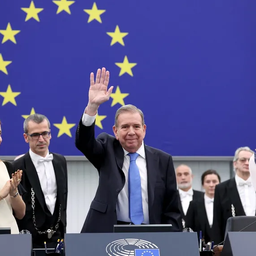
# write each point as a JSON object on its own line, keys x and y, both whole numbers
{"x": 10, "y": 199}
{"x": 252, "y": 169}
{"x": 200, "y": 212}
{"x": 236, "y": 196}
{"x": 184, "y": 179}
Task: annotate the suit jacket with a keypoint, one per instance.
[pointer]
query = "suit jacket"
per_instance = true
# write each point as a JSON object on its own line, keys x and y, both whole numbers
{"x": 43, "y": 216}
{"x": 196, "y": 195}
{"x": 107, "y": 155}
{"x": 197, "y": 219}
{"x": 226, "y": 194}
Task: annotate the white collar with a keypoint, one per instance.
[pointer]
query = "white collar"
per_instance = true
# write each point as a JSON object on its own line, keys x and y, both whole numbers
{"x": 140, "y": 151}
{"x": 185, "y": 193}
{"x": 35, "y": 157}
{"x": 207, "y": 199}
{"x": 239, "y": 180}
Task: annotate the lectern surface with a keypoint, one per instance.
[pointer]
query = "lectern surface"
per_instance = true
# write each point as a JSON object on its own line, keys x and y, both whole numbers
{"x": 132, "y": 244}
{"x": 239, "y": 244}
{"x": 16, "y": 245}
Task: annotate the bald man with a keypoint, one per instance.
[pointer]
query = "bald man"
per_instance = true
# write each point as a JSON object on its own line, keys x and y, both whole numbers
{"x": 184, "y": 179}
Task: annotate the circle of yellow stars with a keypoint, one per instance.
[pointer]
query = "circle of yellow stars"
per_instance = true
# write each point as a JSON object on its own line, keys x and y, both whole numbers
{"x": 32, "y": 12}
{"x": 147, "y": 252}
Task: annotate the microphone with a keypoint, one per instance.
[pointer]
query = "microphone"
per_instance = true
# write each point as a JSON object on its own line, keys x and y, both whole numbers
{"x": 244, "y": 228}
{"x": 247, "y": 226}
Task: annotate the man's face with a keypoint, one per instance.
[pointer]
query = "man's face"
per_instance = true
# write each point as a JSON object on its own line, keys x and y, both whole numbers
{"x": 129, "y": 131}
{"x": 241, "y": 165}
{"x": 184, "y": 177}
{"x": 38, "y": 143}
{"x": 210, "y": 181}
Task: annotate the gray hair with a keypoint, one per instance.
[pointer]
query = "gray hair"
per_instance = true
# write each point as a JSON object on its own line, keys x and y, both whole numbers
{"x": 241, "y": 149}
{"x": 190, "y": 170}
{"x": 129, "y": 108}
{"x": 37, "y": 118}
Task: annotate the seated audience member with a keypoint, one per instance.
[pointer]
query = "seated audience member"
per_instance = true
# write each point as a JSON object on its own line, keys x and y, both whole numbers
{"x": 234, "y": 197}
{"x": 200, "y": 212}
{"x": 136, "y": 182}
{"x": 10, "y": 199}
{"x": 184, "y": 179}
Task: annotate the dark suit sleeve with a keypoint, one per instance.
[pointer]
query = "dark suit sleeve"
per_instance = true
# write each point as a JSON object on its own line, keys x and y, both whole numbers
{"x": 88, "y": 145}
{"x": 9, "y": 168}
{"x": 172, "y": 212}
{"x": 217, "y": 217}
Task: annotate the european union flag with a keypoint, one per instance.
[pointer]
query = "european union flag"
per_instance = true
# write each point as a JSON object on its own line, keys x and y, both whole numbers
{"x": 188, "y": 64}
{"x": 147, "y": 252}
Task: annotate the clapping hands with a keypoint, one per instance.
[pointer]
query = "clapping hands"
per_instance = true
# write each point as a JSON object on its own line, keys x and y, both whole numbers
{"x": 11, "y": 185}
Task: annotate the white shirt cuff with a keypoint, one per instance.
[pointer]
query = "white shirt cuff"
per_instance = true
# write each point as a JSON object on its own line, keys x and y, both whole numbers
{"x": 88, "y": 120}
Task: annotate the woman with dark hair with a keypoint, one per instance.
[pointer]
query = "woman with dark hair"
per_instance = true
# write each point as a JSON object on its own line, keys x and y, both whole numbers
{"x": 10, "y": 200}
{"x": 200, "y": 212}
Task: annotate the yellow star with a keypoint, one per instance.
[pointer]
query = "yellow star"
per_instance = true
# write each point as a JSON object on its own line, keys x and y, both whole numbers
{"x": 125, "y": 66}
{"x": 9, "y": 96}
{"x": 63, "y": 5}
{"x": 98, "y": 121}
{"x": 117, "y": 36}
{"x": 64, "y": 127}
{"x": 9, "y": 34}
{"x": 4, "y": 64}
{"x": 32, "y": 12}
{"x": 32, "y": 112}
{"x": 94, "y": 13}
{"x": 118, "y": 97}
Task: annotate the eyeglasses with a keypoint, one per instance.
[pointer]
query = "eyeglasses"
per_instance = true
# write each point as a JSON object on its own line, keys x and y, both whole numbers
{"x": 243, "y": 159}
{"x": 36, "y": 136}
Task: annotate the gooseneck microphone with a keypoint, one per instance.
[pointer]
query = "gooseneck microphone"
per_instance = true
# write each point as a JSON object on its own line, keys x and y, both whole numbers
{"x": 240, "y": 230}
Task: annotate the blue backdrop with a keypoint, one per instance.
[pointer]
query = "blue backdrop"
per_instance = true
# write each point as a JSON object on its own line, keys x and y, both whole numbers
{"x": 188, "y": 64}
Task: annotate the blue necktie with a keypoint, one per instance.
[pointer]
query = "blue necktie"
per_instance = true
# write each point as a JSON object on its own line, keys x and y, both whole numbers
{"x": 135, "y": 197}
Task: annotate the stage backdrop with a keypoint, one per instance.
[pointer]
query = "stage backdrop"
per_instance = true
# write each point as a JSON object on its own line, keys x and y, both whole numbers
{"x": 190, "y": 65}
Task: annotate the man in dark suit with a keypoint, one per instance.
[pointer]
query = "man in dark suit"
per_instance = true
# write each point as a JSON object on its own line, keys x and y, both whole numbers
{"x": 234, "y": 197}
{"x": 200, "y": 212}
{"x": 184, "y": 177}
{"x": 112, "y": 157}
{"x": 45, "y": 181}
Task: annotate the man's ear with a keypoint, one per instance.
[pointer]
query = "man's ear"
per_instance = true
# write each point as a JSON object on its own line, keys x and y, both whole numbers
{"x": 25, "y": 137}
{"x": 115, "y": 131}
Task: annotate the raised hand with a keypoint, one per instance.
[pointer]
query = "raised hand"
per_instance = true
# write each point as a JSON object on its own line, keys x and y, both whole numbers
{"x": 99, "y": 91}
{"x": 15, "y": 181}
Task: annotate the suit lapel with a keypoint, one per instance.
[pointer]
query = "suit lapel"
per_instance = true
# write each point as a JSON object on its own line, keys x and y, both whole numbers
{"x": 180, "y": 206}
{"x": 152, "y": 162}
{"x": 235, "y": 198}
{"x": 197, "y": 194}
{"x": 33, "y": 179}
{"x": 119, "y": 154}
{"x": 203, "y": 215}
{"x": 60, "y": 179}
